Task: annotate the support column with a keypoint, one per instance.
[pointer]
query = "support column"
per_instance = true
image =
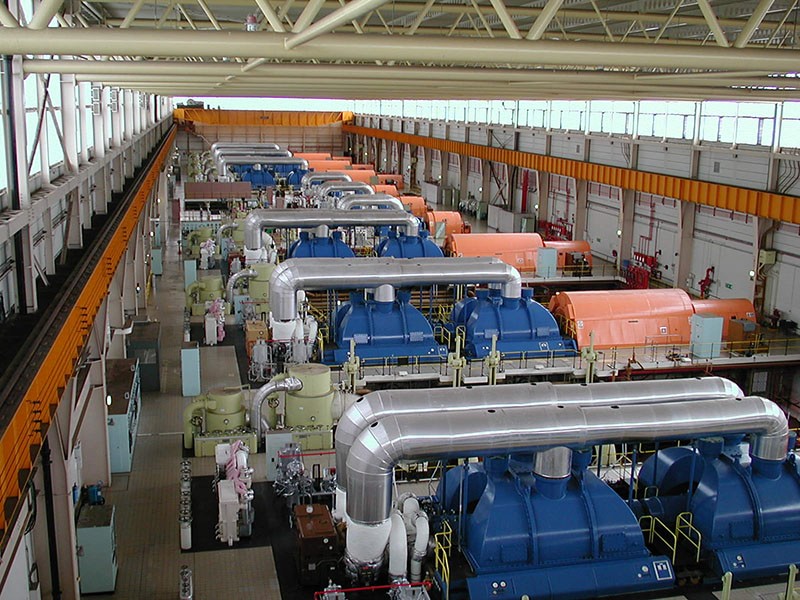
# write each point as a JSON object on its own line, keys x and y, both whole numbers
{"x": 581, "y": 209}
{"x": 44, "y": 158}
{"x": 63, "y": 476}
{"x": 83, "y": 121}
{"x": 427, "y": 171}
{"x": 69, "y": 121}
{"x": 542, "y": 206}
{"x": 486, "y": 182}
{"x": 683, "y": 261}
{"x": 627, "y": 208}
{"x": 99, "y": 122}
{"x": 463, "y": 173}
{"x": 116, "y": 315}
{"x": 26, "y": 298}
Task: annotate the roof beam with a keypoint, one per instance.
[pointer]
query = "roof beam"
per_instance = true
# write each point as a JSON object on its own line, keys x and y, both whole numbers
{"x": 352, "y": 10}
{"x": 713, "y": 23}
{"x": 543, "y": 20}
{"x": 134, "y": 10}
{"x": 44, "y": 14}
{"x": 368, "y": 47}
{"x": 506, "y": 19}
{"x": 753, "y": 23}
{"x": 308, "y": 15}
{"x": 6, "y": 18}
{"x": 271, "y": 16}
{"x": 209, "y": 14}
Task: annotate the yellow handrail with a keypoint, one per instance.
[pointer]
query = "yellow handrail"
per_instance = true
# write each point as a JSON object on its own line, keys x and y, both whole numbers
{"x": 444, "y": 544}
{"x": 685, "y": 529}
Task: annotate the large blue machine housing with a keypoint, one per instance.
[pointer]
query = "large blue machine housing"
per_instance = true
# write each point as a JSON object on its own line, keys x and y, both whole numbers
{"x": 521, "y": 325}
{"x": 404, "y": 246}
{"x": 381, "y": 330}
{"x": 526, "y": 534}
{"x": 320, "y": 247}
{"x": 748, "y": 516}
{"x": 266, "y": 175}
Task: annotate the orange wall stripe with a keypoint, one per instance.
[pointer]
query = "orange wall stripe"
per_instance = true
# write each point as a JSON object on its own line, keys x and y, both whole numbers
{"x": 761, "y": 204}
{"x": 30, "y": 422}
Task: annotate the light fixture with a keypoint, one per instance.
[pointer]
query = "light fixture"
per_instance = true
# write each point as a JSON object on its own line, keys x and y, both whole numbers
{"x": 752, "y": 273}
{"x": 108, "y": 400}
{"x": 619, "y": 232}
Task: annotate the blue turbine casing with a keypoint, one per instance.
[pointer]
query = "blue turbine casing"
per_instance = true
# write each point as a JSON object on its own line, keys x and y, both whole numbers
{"x": 521, "y": 325}
{"x": 404, "y": 246}
{"x": 749, "y": 517}
{"x": 383, "y": 329}
{"x": 266, "y": 175}
{"x": 526, "y": 534}
{"x": 319, "y": 247}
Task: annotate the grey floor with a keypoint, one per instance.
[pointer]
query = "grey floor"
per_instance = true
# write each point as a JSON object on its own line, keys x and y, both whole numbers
{"x": 147, "y": 499}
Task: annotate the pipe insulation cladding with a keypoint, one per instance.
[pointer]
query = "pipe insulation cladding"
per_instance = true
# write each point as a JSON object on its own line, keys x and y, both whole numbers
{"x": 309, "y": 218}
{"x": 374, "y": 406}
{"x": 376, "y": 451}
{"x": 336, "y": 273}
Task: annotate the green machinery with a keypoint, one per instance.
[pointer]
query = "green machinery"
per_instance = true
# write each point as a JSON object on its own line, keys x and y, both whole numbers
{"x": 215, "y": 418}
{"x": 205, "y": 289}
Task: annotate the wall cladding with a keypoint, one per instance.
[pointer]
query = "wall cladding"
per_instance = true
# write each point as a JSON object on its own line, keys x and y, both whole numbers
{"x": 666, "y": 159}
{"x": 733, "y": 168}
{"x": 610, "y": 152}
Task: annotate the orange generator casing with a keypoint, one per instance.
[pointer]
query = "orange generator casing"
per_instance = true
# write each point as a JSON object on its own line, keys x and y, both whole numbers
{"x": 323, "y": 166}
{"x": 727, "y": 308}
{"x": 360, "y": 175}
{"x": 315, "y": 156}
{"x": 566, "y": 248}
{"x": 415, "y": 205}
{"x": 624, "y": 318}
{"x": 386, "y": 189}
{"x": 515, "y": 249}
{"x": 395, "y": 179}
{"x": 453, "y": 221}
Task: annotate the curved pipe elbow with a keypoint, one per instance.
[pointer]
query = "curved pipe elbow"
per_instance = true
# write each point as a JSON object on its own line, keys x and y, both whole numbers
{"x": 234, "y": 279}
{"x": 284, "y": 283}
{"x": 773, "y": 443}
{"x": 289, "y": 384}
{"x": 252, "y": 229}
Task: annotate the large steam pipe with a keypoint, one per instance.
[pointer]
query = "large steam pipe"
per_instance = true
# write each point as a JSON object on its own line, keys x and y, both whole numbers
{"x": 378, "y": 448}
{"x": 268, "y": 153}
{"x": 359, "y": 273}
{"x": 375, "y": 406}
{"x": 309, "y": 218}
{"x": 221, "y": 231}
{"x": 329, "y": 187}
{"x": 224, "y": 161}
{"x": 350, "y": 201}
{"x": 289, "y": 384}
{"x": 260, "y": 145}
{"x": 233, "y": 279}
{"x": 371, "y": 462}
{"x": 309, "y": 179}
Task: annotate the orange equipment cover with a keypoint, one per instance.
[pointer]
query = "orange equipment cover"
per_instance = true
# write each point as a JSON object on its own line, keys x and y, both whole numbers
{"x": 452, "y": 220}
{"x": 416, "y": 205}
{"x": 386, "y": 189}
{"x": 565, "y": 247}
{"x": 347, "y": 158}
{"x": 361, "y": 175}
{"x": 362, "y": 167}
{"x": 624, "y": 318}
{"x": 515, "y": 249}
{"x": 394, "y": 179}
{"x": 727, "y": 308}
{"x": 313, "y": 155}
{"x": 328, "y": 165}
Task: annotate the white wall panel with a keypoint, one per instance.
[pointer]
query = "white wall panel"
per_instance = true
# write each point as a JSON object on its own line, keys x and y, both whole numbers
{"x": 608, "y": 152}
{"x": 602, "y": 220}
{"x": 732, "y": 168}
{"x": 665, "y": 159}
{"x": 567, "y": 146}
{"x": 783, "y": 278}
{"x": 533, "y": 142}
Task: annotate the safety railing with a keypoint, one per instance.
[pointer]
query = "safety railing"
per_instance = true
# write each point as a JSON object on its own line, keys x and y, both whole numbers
{"x": 689, "y": 533}
{"x": 444, "y": 544}
{"x": 656, "y": 530}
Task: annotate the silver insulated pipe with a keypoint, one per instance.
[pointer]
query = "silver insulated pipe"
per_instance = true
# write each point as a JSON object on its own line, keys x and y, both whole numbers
{"x": 382, "y": 445}
{"x": 359, "y": 273}
{"x": 309, "y": 179}
{"x": 290, "y": 384}
{"x": 237, "y": 145}
{"x": 221, "y": 233}
{"x": 350, "y": 201}
{"x": 330, "y": 187}
{"x": 374, "y": 406}
{"x": 244, "y": 273}
{"x": 309, "y": 218}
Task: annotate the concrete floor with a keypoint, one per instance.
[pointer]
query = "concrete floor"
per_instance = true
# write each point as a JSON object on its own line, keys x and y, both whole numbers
{"x": 147, "y": 499}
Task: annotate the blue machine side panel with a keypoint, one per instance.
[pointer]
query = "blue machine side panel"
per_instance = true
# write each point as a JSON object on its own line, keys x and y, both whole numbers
{"x": 757, "y": 560}
{"x": 576, "y": 581}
